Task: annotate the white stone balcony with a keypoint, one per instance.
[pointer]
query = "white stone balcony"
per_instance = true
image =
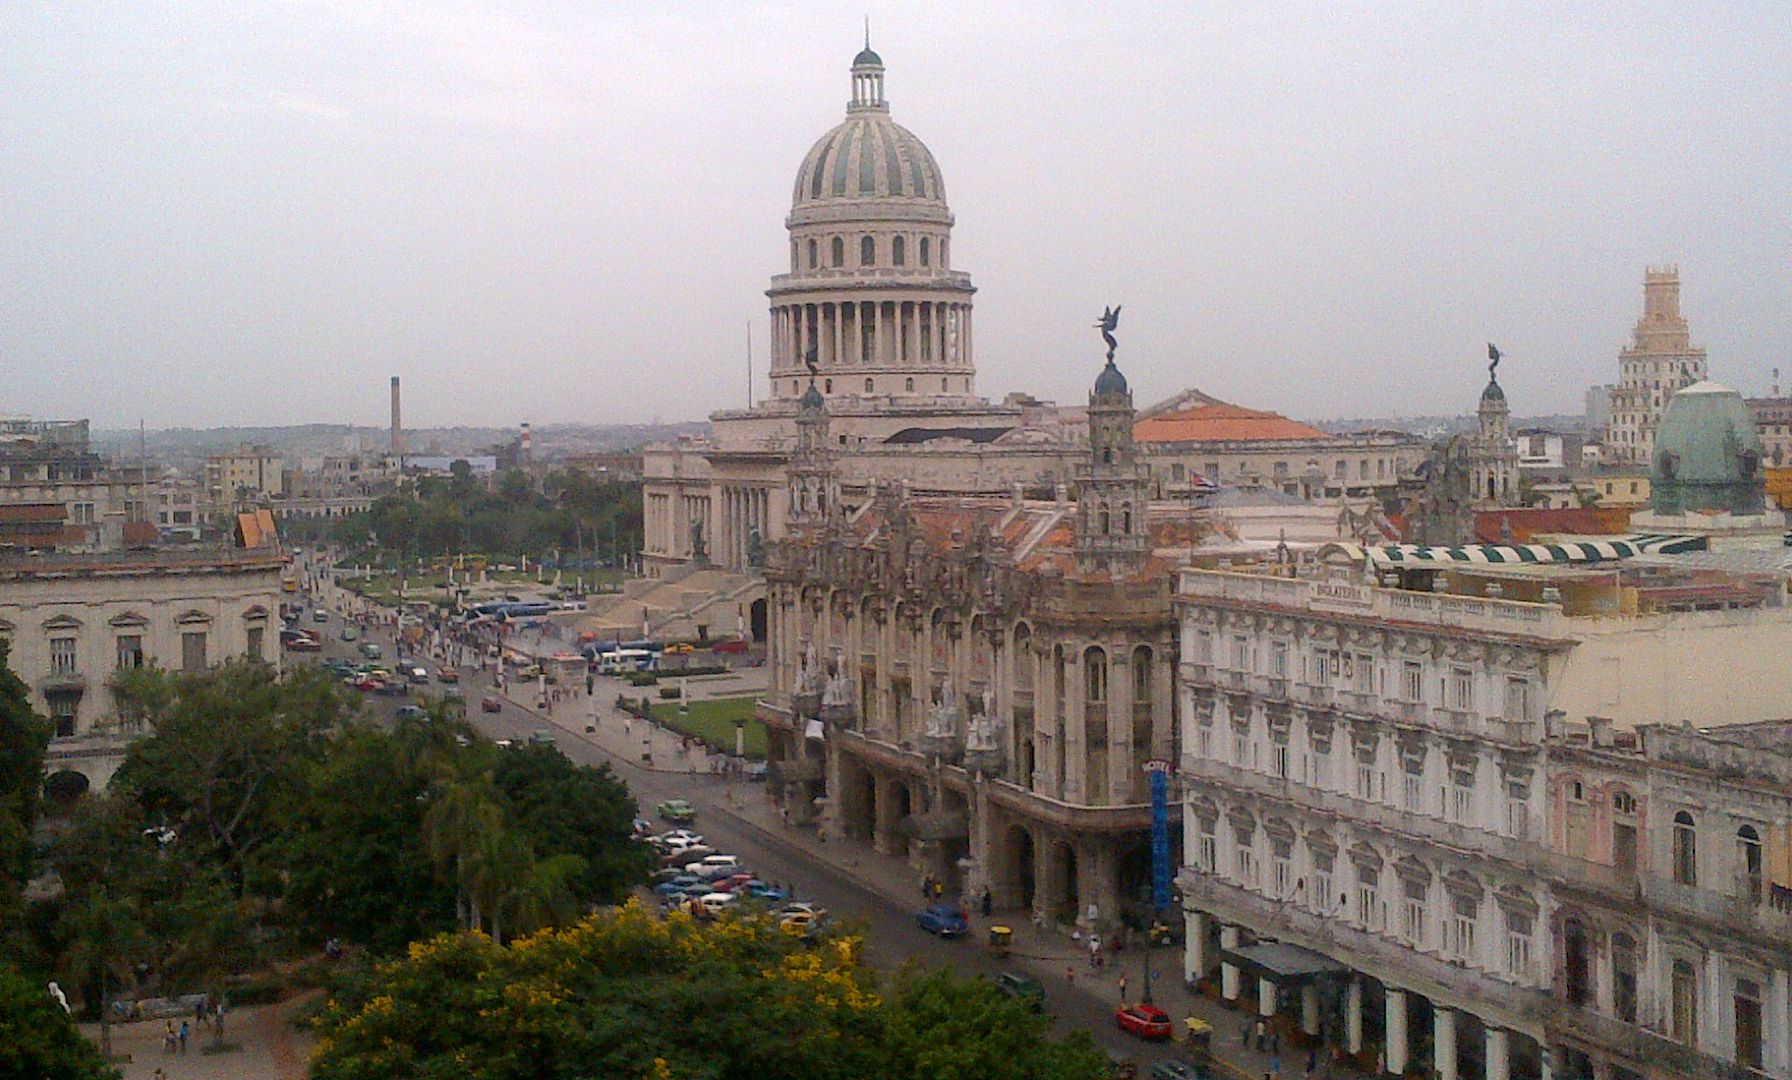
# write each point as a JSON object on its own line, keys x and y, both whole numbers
{"x": 1375, "y": 603}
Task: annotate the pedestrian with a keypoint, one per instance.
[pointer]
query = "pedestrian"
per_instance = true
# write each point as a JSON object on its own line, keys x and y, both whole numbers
{"x": 1275, "y": 1067}
{"x": 183, "y": 1036}
{"x": 170, "y": 1041}
{"x": 1312, "y": 1064}
{"x": 1262, "y": 1030}
{"x": 1123, "y": 988}
{"x": 1094, "y": 953}
{"x": 986, "y": 902}
{"x": 1069, "y": 973}
{"x": 1275, "y": 1040}
{"x": 1244, "y": 1037}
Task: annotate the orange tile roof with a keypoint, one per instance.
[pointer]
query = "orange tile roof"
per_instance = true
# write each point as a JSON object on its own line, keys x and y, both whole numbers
{"x": 1222, "y": 423}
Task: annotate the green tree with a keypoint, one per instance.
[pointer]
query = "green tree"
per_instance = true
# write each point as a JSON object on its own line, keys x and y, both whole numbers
{"x": 107, "y": 941}
{"x": 23, "y": 738}
{"x": 566, "y": 808}
{"x": 37, "y": 1039}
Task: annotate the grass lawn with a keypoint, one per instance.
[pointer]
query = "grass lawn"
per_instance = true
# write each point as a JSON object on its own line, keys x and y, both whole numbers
{"x": 713, "y": 722}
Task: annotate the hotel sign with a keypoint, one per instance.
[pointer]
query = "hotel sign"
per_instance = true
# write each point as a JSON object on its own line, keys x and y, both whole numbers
{"x": 1343, "y": 594}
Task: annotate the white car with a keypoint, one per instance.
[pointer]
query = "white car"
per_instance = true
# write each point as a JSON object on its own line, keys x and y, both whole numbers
{"x": 680, "y": 838}
{"x": 717, "y": 902}
{"x": 711, "y": 867}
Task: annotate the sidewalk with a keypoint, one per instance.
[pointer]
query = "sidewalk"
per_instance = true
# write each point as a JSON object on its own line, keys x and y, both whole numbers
{"x": 1058, "y": 962}
{"x": 270, "y": 1047}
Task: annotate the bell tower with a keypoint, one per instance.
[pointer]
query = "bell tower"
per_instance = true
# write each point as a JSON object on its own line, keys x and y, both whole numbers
{"x": 1113, "y": 489}
{"x": 814, "y": 485}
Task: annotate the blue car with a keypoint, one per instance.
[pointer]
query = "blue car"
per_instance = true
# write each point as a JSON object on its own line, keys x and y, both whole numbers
{"x": 943, "y": 919}
{"x": 759, "y": 890}
{"x": 678, "y": 886}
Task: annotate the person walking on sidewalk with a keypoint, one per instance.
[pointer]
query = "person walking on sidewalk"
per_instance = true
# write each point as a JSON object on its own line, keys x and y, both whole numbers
{"x": 1123, "y": 988}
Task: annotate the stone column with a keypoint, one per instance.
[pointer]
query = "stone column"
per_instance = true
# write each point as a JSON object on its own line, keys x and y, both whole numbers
{"x": 1778, "y": 1051}
{"x": 1194, "y": 947}
{"x": 1309, "y": 1008}
{"x": 877, "y": 332}
{"x": 1443, "y": 1042}
{"x": 1076, "y": 748}
{"x": 1046, "y": 871}
{"x": 1122, "y": 769}
{"x": 839, "y": 334}
{"x": 1395, "y": 1007}
{"x": 1499, "y": 1055}
{"x": 1266, "y": 997}
{"x": 1228, "y": 973}
{"x": 883, "y": 838}
{"x": 1353, "y": 1015}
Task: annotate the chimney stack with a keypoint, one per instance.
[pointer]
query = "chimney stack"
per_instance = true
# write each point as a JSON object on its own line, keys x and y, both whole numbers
{"x": 397, "y": 426}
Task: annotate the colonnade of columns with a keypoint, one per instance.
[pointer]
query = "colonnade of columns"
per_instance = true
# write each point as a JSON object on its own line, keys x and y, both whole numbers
{"x": 872, "y": 333}
{"x": 743, "y": 509}
{"x": 1397, "y": 1036}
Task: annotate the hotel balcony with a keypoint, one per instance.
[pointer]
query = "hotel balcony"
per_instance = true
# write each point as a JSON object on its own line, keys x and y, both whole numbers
{"x": 1642, "y": 1049}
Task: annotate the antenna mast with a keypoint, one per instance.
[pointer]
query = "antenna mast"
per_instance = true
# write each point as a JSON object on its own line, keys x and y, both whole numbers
{"x": 749, "y": 363}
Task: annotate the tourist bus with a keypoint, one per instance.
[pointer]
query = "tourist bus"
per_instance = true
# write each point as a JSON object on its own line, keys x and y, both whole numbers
{"x": 619, "y": 661}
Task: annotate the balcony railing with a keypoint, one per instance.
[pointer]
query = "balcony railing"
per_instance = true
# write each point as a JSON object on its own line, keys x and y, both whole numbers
{"x": 1270, "y": 686}
{"x": 1234, "y": 680}
{"x": 1577, "y": 1025}
{"x": 1740, "y": 912}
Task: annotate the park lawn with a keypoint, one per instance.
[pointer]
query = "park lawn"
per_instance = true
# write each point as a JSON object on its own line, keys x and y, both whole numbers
{"x": 712, "y": 721}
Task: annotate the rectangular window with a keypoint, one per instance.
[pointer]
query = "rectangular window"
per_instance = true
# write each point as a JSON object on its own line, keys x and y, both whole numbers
{"x": 1464, "y": 911}
{"x": 1368, "y": 904}
{"x": 130, "y": 650}
{"x": 1683, "y": 995}
{"x": 1518, "y": 698}
{"x": 1518, "y": 812}
{"x": 1412, "y": 681}
{"x": 1518, "y": 945}
{"x": 1363, "y": 675}
{"x": 1241, "y": 653}
{"x": 1325, "y": 667}
{"x": 63, "y": 707}
{"x": 1310, "y": 768}
{"x": 1279, "y": 759}
{"x": 1413, "y": 793}
{"x": 1748, "y": 1024}
{"x": 1415, "y": 914}
{"x": 1209, "y": 849}
{"x": 1323, "y": 896}
{"x": 1246, "y": 861}
{"x": 1204, "y": 647}
{"x": 1462, "y": 689}
{"x": 192, "y": 650}
{"x": 1284, "y": 874}
{"x": 62, "y": 656}
{"x": 253, "y": 648}
{"x": 1204, "y": 741}
{"x": 1241, "y": 749}
{"x": 1278, "y": 659}
{"x": 1462, "y": 800}
{"x": 1365, "y": 780}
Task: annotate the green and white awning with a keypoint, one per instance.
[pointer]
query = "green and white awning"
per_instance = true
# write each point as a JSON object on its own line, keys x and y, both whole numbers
{"x": 1576, "y": 551}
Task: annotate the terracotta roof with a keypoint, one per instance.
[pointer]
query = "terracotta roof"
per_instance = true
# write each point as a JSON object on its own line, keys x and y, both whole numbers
{"x": 1519, "y": 525}
{"x": 1222, "y": 423}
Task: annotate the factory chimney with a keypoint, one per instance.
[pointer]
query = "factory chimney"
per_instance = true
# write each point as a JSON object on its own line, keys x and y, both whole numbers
{"x": 397, "y": 427}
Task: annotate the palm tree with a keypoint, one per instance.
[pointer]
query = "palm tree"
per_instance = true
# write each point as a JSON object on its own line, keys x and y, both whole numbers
{"x": 460, "y": 826}
{"x": 496, "y": 872}
{"x": 547, "y": 895}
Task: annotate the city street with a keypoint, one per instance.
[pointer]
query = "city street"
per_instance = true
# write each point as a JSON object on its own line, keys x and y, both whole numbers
{"x": 853, "y": 883}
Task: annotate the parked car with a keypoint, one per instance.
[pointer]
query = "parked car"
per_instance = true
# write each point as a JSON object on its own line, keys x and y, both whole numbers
{"x": 367, "y": 683}
{"x": 491, "y": 703}
{"x": 1172, "y": 1069}
{"x": 735, "y": 646}
{"x": 410, "y": 712}
{"x": 946, "y": 920}
{"x": 680, "y": 856}
{"x": 678, "y": 885}
{"x": 1145, "y": 1021}
{"x": 419, "y": 675}
{"x": 759, "y": 890}
{"x": 680, "y": 648}
{"x": 370, "y": 650}
{"x": 676, "y": 810}
{"x": 541, "y": 737}
{"x": 448, "y": 675}
{"x": 800, "y": 923}
{"x": 799, "y": 907}
{"x": 320, "y": 615}
{"x": 715, "y": 866}
{"x": 680, "y": 837}
{"x": 717, "y": 902}
{"x": 1022, "y": 987}
{"x": 349, "y": 633}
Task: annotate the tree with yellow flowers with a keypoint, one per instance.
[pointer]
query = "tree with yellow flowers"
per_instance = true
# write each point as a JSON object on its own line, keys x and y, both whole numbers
{"x": 625, "y": 994}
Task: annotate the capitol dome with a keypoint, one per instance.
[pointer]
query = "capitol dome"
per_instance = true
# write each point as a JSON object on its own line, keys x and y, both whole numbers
{"x": 869, "y": 156}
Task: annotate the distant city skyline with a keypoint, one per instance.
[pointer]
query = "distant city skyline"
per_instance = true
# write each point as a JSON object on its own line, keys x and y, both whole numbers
{"x": 225, "y": 216}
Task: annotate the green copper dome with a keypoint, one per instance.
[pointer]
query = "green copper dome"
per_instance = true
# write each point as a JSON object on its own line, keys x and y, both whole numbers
{"x": 1110, "y": 381}
{"x": 1707, "y": 454}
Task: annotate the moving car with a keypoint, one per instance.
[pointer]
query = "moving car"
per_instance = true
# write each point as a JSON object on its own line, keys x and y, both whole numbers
{"x": 1145, "y": 1021}
{"x": 1022, "y": 987}
{"x": 491, "y": 703}
{"x": 448, "y": 675}
{"x": 946, "y": 920}
{"x": 541, "y": 737}
{"x": 676, "y": 810}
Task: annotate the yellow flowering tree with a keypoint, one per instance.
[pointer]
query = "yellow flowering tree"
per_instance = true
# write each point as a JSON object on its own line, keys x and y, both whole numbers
{"x": 624, "y": 994}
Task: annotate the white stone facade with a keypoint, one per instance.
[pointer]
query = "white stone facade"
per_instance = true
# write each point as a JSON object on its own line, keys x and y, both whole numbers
{"x": 1660, "y": 360}
{"x": 69, "y": 621}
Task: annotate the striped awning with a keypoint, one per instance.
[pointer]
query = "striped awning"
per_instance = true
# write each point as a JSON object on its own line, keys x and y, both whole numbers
{"x": 1576, "y": 551}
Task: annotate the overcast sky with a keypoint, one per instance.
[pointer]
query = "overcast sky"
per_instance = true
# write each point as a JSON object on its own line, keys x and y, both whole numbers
{"x": 231, "y": 213}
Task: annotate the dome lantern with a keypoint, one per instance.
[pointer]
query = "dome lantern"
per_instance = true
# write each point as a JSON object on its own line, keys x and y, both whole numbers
{"x": 868, "y": 79}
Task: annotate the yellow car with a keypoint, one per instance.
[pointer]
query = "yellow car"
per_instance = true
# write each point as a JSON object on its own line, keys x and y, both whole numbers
{"x": 682, "y": 648}
{"x": 798, "y": 923}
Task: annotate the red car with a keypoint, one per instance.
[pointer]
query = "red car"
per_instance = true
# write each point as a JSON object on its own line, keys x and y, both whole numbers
{"x": 1145, "y": 1021}
{"x": 491, "y": 703}
{"x": 733, "y": 883}
{"x": 735, "y": 646}
{"x": 369, "y": 684}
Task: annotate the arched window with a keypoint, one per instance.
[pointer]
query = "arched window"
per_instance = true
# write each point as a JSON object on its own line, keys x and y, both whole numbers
{"x": 1102, "y": 518}
{"x": 1624, "y": 962}
{"x": 1577, "y": 963}
{"x": 795, "y": 387}
{"x": 827, "y": 386}
{"x": 926, "y": 252}
{"x": 1095, "y": 676}
{"x": 839, "y": 252}
{"x": 1686, "y": 850}
{"x": 1748, "y": 862}
{"x": 1126, "y": 519}
{"x": 812, "y": 254}
{"x": 898, "y": 252}
{"x": 942, "y": 386}
{"x": 870, "y": 386}
{"x": 867, "y": 251}
{"x": 908, "y": 385}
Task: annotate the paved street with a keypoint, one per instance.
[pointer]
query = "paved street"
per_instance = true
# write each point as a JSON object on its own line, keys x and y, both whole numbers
{"x": 879, "y": 893}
